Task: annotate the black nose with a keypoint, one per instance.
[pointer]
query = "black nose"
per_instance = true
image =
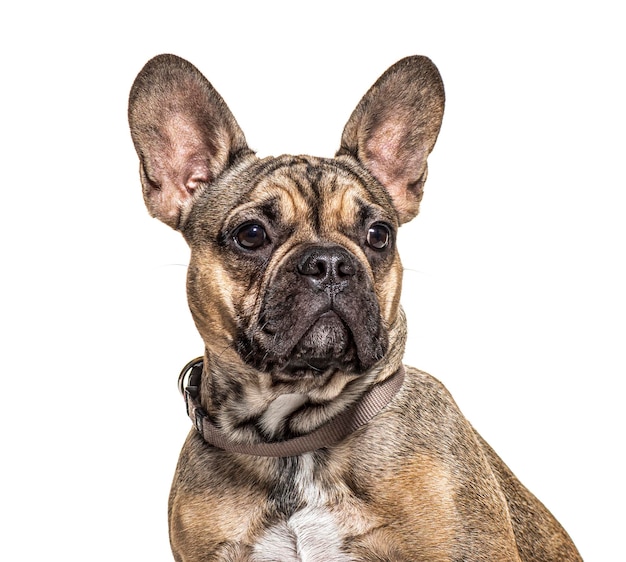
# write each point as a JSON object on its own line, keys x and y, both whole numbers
{"x": 327, "y": 266}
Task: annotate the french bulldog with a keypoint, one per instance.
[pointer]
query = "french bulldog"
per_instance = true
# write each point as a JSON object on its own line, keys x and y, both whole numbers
{"x": 311, "y": 441}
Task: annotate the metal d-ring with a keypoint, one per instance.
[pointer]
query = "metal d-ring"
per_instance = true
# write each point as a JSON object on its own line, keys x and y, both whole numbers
{"x": 189, "y": 378}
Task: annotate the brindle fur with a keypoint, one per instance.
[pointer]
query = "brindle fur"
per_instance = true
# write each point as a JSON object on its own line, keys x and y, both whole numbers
{"x": 300, "y": 326}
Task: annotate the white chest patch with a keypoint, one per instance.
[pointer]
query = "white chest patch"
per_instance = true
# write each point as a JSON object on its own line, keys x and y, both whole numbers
{"x": 310, "y": 535}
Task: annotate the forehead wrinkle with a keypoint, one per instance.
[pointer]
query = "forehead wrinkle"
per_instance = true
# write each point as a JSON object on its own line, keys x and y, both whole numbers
{"x": 286, "y": 190}
{"x": 272, "y": 191}
{"x": 293, "y": 202}
{"x": 340, "y": 207}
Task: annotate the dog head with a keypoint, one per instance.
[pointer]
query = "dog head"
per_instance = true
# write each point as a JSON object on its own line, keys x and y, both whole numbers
{"x": 294, "y": 270}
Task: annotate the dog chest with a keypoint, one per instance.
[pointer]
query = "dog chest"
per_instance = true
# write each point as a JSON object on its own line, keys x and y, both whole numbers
{"x": 310, "y": 534}
{"x": 313, "y": 526}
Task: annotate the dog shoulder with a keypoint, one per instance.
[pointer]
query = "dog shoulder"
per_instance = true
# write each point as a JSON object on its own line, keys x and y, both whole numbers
{"x": 424, "y": 421}
{"x": 426, "y": 400}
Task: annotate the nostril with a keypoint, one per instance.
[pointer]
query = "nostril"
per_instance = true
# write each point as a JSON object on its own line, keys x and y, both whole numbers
{"x": 313, "y": 266}
{"x": 321, "y": 268}
{"x": 345, "y": 269}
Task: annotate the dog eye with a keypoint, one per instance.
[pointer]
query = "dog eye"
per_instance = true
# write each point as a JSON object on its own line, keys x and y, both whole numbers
{"x": 251, "y": 236}
{"x": 378, "y": 236}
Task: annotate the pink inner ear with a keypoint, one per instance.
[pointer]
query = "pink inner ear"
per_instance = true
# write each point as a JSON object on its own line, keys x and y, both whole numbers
{"x": 381, "y": 152}
{"x": 392, "y": 158}
{"x": 197, "y": 178}
{"x": 188, "y": 154}
{"x": 196, "y": 174}
{"x": 391, "y": 154}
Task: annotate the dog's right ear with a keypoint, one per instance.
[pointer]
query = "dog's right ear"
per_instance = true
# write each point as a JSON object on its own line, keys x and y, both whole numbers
{"x": 394, "y": 127}
{"x": 184, "y": 134}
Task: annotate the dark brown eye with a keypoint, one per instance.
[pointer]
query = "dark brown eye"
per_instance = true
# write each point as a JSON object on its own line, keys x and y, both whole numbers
{"x": 251, "y": 236}
{"x": 378, "y": 236}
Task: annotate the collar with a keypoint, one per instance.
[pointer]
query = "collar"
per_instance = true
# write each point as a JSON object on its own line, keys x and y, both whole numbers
{"x": 333, "y": 431}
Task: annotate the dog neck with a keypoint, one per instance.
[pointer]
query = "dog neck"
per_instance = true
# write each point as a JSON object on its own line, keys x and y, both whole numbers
{"x": 251, "y": 407}
{"x": 334, "y": 430}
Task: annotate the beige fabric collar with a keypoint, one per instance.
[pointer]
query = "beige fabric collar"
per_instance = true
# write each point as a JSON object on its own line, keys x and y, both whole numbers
{"x": 334, "y": 431}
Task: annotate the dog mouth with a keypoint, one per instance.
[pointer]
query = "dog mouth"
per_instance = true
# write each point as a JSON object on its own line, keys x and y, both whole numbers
{"x": 313, "y": 346}
{"x": 326, "y": 344}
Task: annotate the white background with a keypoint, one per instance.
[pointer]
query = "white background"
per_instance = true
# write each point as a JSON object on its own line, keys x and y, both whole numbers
{"x": 515, "y": 269}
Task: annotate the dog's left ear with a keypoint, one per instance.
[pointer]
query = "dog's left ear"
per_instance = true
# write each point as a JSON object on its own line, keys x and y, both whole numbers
{"x": 184, "y": 134}
{"x": 394, "y": 128}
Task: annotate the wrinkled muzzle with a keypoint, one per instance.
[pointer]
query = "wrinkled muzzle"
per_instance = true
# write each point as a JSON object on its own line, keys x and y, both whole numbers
{"x": 318, "y": 312}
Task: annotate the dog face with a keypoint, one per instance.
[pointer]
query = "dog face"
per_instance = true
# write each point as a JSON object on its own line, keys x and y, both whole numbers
{"x": 302, "y": 267}
{"x": 294, "y": 270}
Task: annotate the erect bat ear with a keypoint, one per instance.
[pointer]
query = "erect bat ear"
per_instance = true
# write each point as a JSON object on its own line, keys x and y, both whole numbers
{"x": 183, "y": 132}
{"x": 394, "y": 128}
